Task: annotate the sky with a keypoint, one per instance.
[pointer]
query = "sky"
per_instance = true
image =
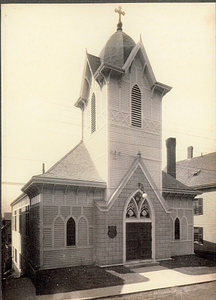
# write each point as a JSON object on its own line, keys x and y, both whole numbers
{"x": 43, "y": 52}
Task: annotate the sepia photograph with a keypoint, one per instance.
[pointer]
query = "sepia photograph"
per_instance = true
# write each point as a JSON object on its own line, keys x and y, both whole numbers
{"x": 108, "y": 151}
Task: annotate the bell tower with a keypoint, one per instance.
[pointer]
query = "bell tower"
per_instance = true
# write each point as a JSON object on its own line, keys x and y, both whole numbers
{"x": 121, "y": 107}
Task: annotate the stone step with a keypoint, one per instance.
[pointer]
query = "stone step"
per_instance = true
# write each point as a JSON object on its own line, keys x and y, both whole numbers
{"x": 143, "y": 263}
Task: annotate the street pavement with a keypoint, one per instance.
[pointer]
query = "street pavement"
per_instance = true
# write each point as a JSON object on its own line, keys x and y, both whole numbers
{"x": 158, "y": 277}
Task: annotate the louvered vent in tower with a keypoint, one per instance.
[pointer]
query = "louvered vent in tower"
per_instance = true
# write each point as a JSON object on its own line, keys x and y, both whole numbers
{"x": 136, "y": 107}
{"x": 93, "y": 113}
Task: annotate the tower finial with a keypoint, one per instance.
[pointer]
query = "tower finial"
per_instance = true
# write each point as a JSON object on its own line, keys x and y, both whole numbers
{"x": 120, "y": 12}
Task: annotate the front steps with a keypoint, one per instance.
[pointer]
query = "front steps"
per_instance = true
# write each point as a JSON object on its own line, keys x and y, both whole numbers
{"x": 140, "y": 263}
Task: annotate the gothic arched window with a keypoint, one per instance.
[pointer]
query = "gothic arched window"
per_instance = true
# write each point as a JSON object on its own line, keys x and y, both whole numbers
{"x": 136, "y": 107}
{"x": 138, "y": 207}
{"x": 93, "y": 113}
{"x": 177, "y": 229}
{"x": 71, "y": 232}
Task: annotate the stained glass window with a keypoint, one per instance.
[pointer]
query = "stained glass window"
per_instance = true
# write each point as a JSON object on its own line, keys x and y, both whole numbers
{"x": 131, "y": 209}
{"x": 144, "y": 211}
{"x": 138, "y": 207}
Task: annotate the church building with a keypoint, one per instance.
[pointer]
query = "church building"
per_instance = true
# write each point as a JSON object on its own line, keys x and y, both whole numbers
{"x": 107, "y": 201}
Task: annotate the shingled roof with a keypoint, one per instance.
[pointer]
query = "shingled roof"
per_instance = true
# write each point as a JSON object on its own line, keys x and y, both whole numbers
{"x": 76, "y": 165}
{"x": 198, "y": 172}
{"x": 94, "y": 62}
{"x": 171, "y": 185}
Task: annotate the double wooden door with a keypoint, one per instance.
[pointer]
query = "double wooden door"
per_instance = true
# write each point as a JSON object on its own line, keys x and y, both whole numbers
{"x": 138, "y": 241}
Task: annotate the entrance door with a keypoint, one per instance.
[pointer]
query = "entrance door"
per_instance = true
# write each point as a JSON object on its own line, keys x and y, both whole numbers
{"x": 138, "y": 241}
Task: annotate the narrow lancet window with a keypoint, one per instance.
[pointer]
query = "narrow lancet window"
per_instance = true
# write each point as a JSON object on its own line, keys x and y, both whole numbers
{"x": 177, "y": 229}
{"x": 93, "y": 113}
{"x": 71, "y": 232}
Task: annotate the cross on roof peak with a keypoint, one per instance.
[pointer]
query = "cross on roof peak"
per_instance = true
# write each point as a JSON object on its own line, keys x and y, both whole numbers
{"x": 120, "y": 12}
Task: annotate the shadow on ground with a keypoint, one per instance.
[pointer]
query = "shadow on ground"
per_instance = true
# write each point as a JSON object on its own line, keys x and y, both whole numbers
{"x": 90, "y": 277}
{"x": 82, "y": 278}
{"x": 192, "y": 264}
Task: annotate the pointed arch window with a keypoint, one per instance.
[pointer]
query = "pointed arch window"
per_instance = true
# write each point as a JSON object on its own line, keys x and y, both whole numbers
{"x": 93, "y": 113}
{"x": 138, "y": 207}
{"x": 136, "y": 107}
{"x": 71, "y": 232}
{"x": 177, "y": 229}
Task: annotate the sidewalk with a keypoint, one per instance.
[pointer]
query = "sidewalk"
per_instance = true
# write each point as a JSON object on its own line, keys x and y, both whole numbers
{"x": 159, "y": 278}
{"x": 168, "y": 274}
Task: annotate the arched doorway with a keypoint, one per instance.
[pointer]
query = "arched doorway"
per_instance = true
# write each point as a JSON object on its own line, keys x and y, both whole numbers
{"x": 138, "y": 228}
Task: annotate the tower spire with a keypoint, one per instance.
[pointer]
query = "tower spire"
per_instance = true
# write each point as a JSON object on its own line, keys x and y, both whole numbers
{"x": 120, "y": 12}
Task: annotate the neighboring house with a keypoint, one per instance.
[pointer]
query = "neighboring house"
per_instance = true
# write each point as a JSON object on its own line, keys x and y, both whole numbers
{"x": 6, "y": 242}
{"x": 200, "y": 173}
{"x": 102, "y": 203}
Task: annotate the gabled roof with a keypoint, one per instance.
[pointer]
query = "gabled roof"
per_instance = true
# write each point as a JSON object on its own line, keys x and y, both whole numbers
{"x": 157, "y": 86}
{"x": 171, "y": 185}
{"x": 138, "y": 162}
{"x": 76, "y": 165}
{"x": 94, "y": 62}
{"x": 198, "y": 172}
{"x": 75, "y": 168}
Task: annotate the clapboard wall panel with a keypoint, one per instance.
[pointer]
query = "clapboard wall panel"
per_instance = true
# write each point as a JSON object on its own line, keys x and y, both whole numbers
{"x": 71, "y": 197}
{"x": 47, "y": 237}
{"x": 49, "y": 213}
{"x": 47, "y": 196}
{"x": 59, "y": 196}
{"x": 67, "y": 258}
{"x": 65, "y": 211}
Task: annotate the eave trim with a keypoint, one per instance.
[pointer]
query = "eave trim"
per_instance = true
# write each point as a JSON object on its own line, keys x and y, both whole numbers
{"x": 49, "y": 180}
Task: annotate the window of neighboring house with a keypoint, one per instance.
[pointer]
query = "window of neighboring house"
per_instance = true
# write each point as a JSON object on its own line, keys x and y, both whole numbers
{"x": 198, "y": 235}
{"x": 177, "y": 229}
{"x": 93, "y": 113}
{"x": 15, "y": 255}
{"x": 20, "y": 261}
{"x": 15, "y": 221}
{"x": 136, "y": 107}
{"x": 9, "y": 237}
{"x": 27, "y": 221}
{"x": 71, "y": 232}
{"x": 198, "y": 206}
{"x": 20, "y": 221}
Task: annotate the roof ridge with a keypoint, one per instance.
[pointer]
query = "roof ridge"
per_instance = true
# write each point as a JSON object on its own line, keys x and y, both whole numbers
{"x": 59, "y": 161}
{"x": 88, "y": 54}
{"x": 195, "y": 157}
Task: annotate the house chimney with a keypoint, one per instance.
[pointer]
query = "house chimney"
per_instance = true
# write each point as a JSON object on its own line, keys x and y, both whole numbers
{"x": 171, "y": 156}
{"x": 190, "y": 152}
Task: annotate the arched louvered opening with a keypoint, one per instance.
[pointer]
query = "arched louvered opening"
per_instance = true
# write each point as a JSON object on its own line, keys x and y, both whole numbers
{"x": 184, "y": 229}
{"x": 93, "y": 113}
{"x": 58, "y": 233}
{"x": 82, "y": 232}
{"x": 136, "y": 107}
{"x": 177, "y": 229}
{"x": 71, "y": 232}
